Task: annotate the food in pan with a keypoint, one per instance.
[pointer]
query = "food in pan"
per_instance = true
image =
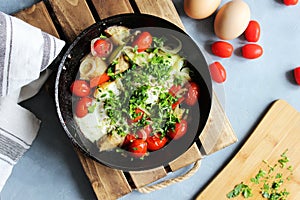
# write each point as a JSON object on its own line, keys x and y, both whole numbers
{"x": 134, "y": 91}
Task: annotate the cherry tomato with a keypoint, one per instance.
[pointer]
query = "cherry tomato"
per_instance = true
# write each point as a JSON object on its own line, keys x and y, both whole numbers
{"x": 174, "y": 89}
{"x": 252, "y": 51}
{"x": 179, "y": 130}
{"x": 138, "y": 147}
{"x": 297, "y": 75}
{"x": 180, "y": 100}
{"x": 252, "y": 32}
{"x": 98, "y": 80}
{"x": 145, "y": 132}
{"x": 155, "y": 142}
{"x": 80, "y": 88}
{"x": 129, "y": 138}
{"x": 222, "y": 49}
{"x": 218, "y": 72}
{"x": 102, "y": 47}
{"x": 139, "y": 117}
{"x": 143, "y": 41}
{"x": 192, "y": 94}
{"x": 290, "y": 2}
{"x": 82, "y": 106}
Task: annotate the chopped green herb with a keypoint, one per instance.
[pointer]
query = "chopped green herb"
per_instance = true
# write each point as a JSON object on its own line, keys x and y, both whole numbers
{"x": 272, "y": 184}
{"x": 102, "y": 36}
{"x": 92, "y": 108}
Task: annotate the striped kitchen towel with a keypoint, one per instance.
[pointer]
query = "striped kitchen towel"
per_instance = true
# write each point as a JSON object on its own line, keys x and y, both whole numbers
{"x": 25, "y": 53}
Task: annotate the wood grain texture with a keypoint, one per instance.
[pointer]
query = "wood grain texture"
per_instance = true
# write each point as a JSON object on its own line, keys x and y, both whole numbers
{"x": 161, "y": 8}
{"x": 116, "y": 7}
{"x": 38, "y": 16}
{"x": 279, "y": 130}
{"x": 73, "y": 15}
{"x": 190, "y": 156}
{"x": 142, "y": 178}
{"x": 217, "y": 132}
{"x": 107, "y": 183}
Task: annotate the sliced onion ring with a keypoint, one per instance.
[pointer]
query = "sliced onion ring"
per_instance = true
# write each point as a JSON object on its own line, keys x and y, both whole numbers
{"x": 175, "y": 50}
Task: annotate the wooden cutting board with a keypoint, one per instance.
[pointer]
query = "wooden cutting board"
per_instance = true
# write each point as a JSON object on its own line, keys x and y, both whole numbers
{"x": 279, "y": 130}
{"x": 66, "y": 19}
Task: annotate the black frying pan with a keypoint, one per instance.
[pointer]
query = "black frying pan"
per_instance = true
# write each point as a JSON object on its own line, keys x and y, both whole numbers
{"x": 68, "y": 70}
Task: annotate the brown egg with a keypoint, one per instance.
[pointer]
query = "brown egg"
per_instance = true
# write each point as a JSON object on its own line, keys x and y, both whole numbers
{"x": 232, "y": 20}
{"x": 200, "y": 9}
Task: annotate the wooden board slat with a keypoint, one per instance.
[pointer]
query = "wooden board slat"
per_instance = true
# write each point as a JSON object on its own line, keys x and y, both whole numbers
{"x": 38, "y": 16}
{"x": 123, "y": 6}
{"x": 107, "y": 183}
{"x": 190, "y": 156}
{"x": 217, "y": 132}
{"x": 161, "y": 8}
{"x": 73, "y": 15}
{"x": 142, "y": 178}
{"x": 279, "y": 130}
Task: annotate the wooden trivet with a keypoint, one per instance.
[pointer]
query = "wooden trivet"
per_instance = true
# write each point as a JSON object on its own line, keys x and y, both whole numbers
{"x": 66, "y": 19}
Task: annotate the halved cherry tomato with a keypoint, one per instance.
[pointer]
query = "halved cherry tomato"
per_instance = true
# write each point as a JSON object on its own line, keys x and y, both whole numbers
{"x": 297, "y": 75}
{"x": 102, "y": 47}
{"x": 98, "y": 80}
{"x": 145, "y": 132}
{"x": 192, "y": 94}
{"x": 222, "y": 49}
{"x": 218, "y": 72}
{"x": 155, "y": 142}
{"x": 179, "y": 130}
{"x": 80, "y": 88}
{"x": 82, "y": 106}
{"x": 174, "y": 89}
{"x": 180, "y": 100}
{"x": 129, "y": 138}
{"x": 290, "y": 2}
{"x": 252, "y": 32}
{"x": 140, "y": 115}
{"x": 138, "y": 147}
{"x": 252, "y": 51}
{"x": 143, "y": 41}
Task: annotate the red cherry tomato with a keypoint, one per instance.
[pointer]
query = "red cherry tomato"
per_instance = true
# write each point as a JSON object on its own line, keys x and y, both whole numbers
{"x": 290, "y": 2}
{"x": 102, "y": 47}
{"x": 222, "y": 49}
{"x": 82, "y": 106}
{"x": 98, "y": 80}
{"x": 192, "y": 94}
{"x": 297, "y": 75}
{"x": 180, "y": 100}
{"x": 139, "y": 117}
{"x": 252, "y": 32}
{"x": 80, "y": 88}
{"x": 129, "y": 138}
{"x": 179, "y": 130}
{"x": 155, "y": 142}
{"x": 143, "y": 41}
{"x": 218, "y": 72}
{"x": 138, "y": 148}
{"x": 252, "y": 51}
{"x": 145, "y": 132}
{"x": 174, "y": 89}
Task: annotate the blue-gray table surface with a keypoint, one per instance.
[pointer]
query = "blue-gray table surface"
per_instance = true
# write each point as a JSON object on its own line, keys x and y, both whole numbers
{"x": 51, "y": 169}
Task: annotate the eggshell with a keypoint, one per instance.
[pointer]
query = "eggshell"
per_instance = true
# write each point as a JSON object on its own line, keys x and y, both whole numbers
{"x": 232, "y": 20}
{"x": 200, "y": 9}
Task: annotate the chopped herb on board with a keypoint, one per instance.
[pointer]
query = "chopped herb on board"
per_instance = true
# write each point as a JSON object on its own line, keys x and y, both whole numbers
{"x": 271, "y": 181}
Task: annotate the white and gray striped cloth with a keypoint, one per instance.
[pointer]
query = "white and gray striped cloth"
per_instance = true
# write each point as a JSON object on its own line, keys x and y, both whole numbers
{"x": 25, "y": 53}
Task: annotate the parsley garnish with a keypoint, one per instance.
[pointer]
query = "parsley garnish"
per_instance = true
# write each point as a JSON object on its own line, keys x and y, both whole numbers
{"x": 271, "y": 187}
